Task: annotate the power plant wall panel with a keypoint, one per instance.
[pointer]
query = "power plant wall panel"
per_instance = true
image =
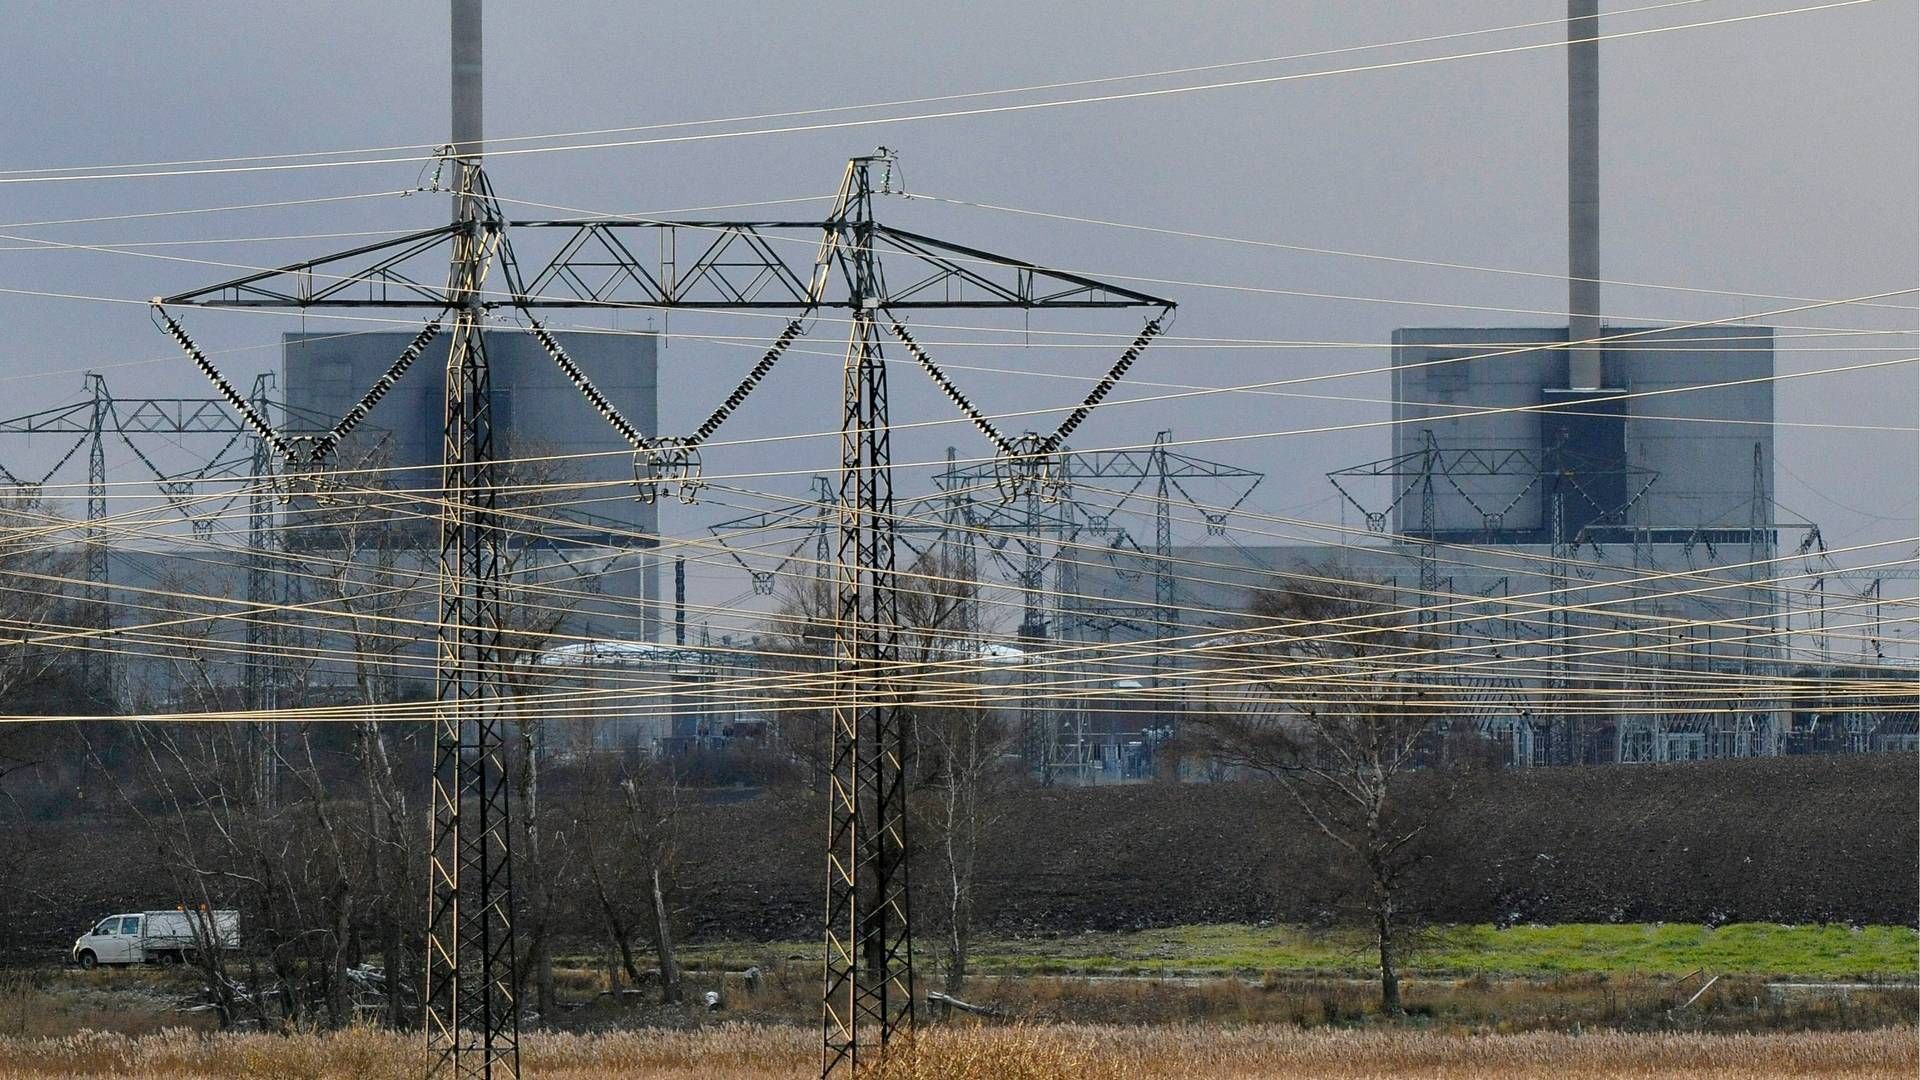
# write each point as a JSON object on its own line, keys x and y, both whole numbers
{"x": 537, "y": 413}
{"x": 1474, "y": 390}
{"x": 1697, "y": 400}
{"x": 1686, "y": 423}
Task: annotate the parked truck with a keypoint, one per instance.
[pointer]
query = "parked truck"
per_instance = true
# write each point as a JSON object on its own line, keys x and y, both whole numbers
{"x": 156, "y": 937}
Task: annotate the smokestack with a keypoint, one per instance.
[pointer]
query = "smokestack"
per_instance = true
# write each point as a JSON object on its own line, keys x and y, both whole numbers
{"x": 466, "y": 79}
{"x": 1583, "y": 192}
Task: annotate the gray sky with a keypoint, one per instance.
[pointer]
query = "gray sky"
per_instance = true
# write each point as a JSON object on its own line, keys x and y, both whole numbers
{"x": 1775, "y": 156}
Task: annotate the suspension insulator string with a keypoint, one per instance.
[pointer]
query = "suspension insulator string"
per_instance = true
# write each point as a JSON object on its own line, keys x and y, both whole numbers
{"x": 657, "y": 462}
{"x": 747, "y": 385}
{"x": 227, "y": 391}
{"x": 953, "y": 393}
{"x": 585, "y": 385}
{"x": 1105, "y": 386}
{"x": 362, "y": 408}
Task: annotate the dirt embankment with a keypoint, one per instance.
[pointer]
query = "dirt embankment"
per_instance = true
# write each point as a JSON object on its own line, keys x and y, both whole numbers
{"x": 1812, "y": 839}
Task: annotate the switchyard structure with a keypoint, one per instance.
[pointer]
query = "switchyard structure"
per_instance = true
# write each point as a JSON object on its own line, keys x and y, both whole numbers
{"x": 235, "y": 465}
{"x": 1037, "y": 522}
{"x": 1580, "y": 500}
{"x": 1609, "y": 681}
{"x": 1649, "y": 492}
{"x": 1088, "y": 499}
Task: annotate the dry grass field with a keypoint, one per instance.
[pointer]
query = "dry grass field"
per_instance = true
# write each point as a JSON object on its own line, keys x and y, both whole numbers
{"x": 1081, "y": 1052}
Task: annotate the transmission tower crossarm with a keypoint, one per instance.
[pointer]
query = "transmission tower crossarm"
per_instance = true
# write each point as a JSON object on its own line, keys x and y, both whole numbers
{"x": 1027, "y": 284}
{"x": 141, "y": 416}
{"x": 1891, "y": 573}
{"x": 787, "y": 265}
{"x": 74, "y": 419}
{"x": 327, "y": 281}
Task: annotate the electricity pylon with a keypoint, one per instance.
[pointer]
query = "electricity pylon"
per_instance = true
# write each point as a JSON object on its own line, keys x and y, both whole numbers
{"x": 735, "y": 266}
{"x": 98, "y": 414}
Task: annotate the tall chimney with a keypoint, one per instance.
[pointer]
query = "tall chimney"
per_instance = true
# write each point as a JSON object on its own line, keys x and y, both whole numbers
{"x": 466, "y": 79}
{"x": 1583, "y": 192}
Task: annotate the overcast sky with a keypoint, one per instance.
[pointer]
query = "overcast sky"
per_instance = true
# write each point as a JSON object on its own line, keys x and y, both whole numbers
{"x": 1775, "y": 156}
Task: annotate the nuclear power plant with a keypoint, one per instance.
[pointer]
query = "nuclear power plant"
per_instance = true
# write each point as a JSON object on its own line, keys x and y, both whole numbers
{"x": 1190, "y": 514}
{"x": 1582, "y": 511}
{"x": 1572, "y": 512}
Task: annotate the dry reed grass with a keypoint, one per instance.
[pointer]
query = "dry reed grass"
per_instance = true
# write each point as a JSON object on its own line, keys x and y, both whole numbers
{"x": 957, "y": 1052}
{"x": 37, "y": 1005}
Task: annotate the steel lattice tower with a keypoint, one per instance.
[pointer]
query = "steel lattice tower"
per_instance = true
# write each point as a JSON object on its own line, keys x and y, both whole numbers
{"x": 1036, "y": 722}
{"x": 1429, "y": 564}
{"x": 869, "y": 950}
{"x": 99, "y": 666}
{"x": 473, "y": 1025}
{"x": 1165, "y": 584}
{"x": 264, "y": 593}
{"x": 471, "y": 1016}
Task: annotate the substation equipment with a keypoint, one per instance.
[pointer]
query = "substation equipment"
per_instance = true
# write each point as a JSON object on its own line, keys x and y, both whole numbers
{"x": 1039, "y": 537}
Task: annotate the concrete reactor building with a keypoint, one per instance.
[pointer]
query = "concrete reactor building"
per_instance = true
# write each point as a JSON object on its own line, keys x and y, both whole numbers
{"x": 1671, "y": 438}
{"x": 537, "y": 414}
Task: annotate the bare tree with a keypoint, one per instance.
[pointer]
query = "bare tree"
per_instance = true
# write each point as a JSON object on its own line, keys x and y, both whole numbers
{"x": 307, "y": 832}
{"x": 35, "y": 597}
{"x": 377, "y": 548}
{"x": 964, "y": 769}
{"x": 540, "y": 588}
{"x": 966, "y": 776}
{"x": 799, "y": 643}
{"x": 367, "y": 555}
{"x": 628, "y": 827}
{"x": 1329, "y": 716}
{"x": 280, "y": 852}
{"x": 194, "y": 796}
{"x": 961, "y": 770}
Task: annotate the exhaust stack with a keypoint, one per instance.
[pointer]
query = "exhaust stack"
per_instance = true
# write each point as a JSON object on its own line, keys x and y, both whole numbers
{"x": 1583, "y": 193}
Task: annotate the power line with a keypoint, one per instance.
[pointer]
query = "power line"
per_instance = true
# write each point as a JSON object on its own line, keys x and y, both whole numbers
{"x": 139, "y": 173}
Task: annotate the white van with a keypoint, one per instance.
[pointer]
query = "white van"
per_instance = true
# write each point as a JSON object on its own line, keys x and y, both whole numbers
{"x": 166, "y": 937}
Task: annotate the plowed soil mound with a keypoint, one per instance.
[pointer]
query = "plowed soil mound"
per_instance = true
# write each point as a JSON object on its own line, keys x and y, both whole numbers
{"x": 1804, "y": 839}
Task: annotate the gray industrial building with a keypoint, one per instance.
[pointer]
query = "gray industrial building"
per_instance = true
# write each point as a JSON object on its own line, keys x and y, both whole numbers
{"x": 590, "y": 554}
{"x": 206, "y": 651}
{"x": 1664, "y": 468}
{"x": 1684, "y": 413}
{"x": 1491, "y": 605}
{"x": 537, "y": 413}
